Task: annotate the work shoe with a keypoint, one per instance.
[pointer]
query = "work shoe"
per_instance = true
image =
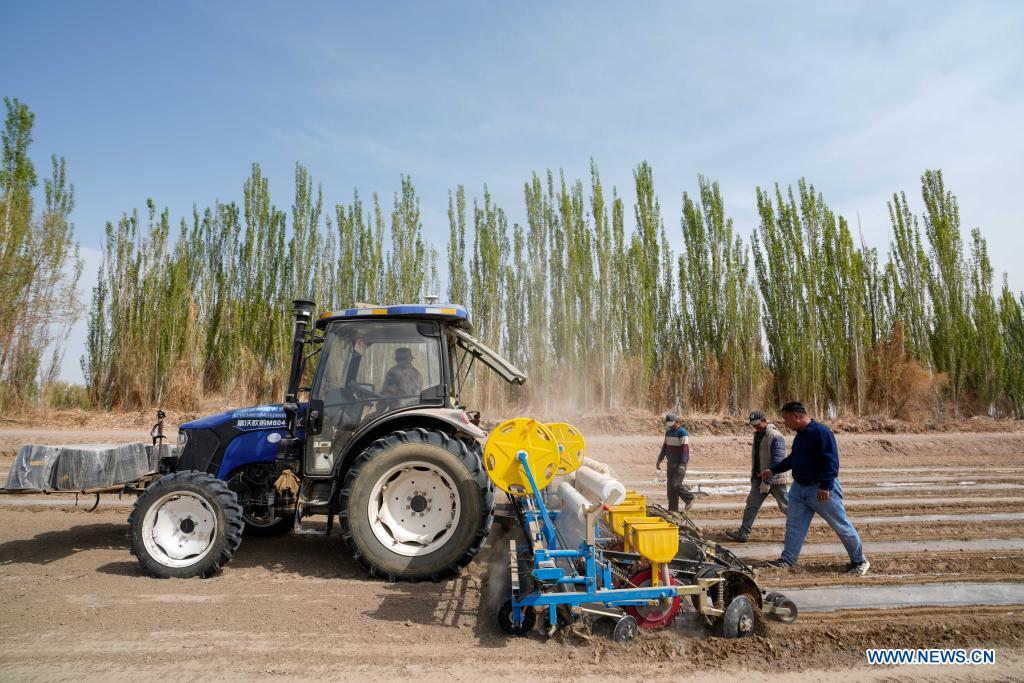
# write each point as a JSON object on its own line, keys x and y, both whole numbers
{"x": 738, "y": 536}
{"x": 689, "y": 504}
{"x": 778, "y": 564}
{"x": 859, "y": 568}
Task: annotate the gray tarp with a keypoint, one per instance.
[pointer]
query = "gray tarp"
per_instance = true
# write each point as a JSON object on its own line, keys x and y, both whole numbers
{"x": 71, "y": 468}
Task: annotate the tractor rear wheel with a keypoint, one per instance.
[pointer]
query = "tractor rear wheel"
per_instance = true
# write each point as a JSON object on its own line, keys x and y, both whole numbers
{"x": 416, "y": 505}
{"x": 185, "y": 524}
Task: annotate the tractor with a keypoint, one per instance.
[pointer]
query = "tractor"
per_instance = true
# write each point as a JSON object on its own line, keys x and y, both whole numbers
{"x": 381, "y": 442}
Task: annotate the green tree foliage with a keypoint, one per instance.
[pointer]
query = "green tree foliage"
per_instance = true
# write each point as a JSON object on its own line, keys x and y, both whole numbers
{"x": 907, "y": 279}
{"x": 721, "y": 327}
{"x": 599, "y": 313}
{"x": 458, "y": 286}
{"x": 1011, "y": 327}
{"x": 951, "y": 333}
{"x": 39, "y": 266}
{"x": 408, "y": 261}
{"x": 822, "y": 295}
{"x": 986, "y": 373}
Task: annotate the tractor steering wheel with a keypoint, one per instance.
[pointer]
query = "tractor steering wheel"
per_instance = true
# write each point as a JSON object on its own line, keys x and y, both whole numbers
{"x": 361, "y": 393}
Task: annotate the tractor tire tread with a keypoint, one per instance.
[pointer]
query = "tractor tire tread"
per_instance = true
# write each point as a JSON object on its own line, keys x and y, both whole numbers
{"x": 232, "y": 522}
{"x": 469, "y": 455}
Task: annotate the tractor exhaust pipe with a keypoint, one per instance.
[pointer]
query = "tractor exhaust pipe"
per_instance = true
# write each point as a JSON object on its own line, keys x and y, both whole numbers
{"x": 303, "y": 316}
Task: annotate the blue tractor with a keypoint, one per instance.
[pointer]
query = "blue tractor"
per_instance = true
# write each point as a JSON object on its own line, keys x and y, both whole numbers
{"x": 382, "y": 443}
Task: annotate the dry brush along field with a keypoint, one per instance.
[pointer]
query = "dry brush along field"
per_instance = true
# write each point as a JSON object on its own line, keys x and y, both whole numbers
{"x": 941, "y": 515}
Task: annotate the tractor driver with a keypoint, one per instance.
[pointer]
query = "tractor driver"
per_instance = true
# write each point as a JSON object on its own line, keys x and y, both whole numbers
{"x": 402, "y": 379}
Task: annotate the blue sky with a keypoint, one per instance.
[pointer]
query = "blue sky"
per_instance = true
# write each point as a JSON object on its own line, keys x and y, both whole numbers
{"x": 175, "y": 102}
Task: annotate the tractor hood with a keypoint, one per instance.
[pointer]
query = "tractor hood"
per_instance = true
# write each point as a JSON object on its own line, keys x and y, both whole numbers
{"x": 487, "y": 356}
{"x": 244, "y": 419}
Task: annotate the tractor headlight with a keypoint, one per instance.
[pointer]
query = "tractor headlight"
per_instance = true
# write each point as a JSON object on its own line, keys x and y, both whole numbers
{"x": 182, "y": 438}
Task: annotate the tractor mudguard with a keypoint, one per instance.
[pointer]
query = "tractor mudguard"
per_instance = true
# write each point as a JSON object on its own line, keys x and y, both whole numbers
{"x": 453, "y": 417}
{"x": 429, "y": 418}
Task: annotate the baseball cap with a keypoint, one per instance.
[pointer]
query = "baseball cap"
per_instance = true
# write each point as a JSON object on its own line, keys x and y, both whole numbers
{"x": 755, "y": 417}
{"x": 670, "y": 418}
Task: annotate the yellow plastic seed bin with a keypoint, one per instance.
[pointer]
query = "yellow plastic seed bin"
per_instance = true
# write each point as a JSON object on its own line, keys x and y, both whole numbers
{"x": 634, "y": 498}
{"x": 633, "y": 524}
{"x": 658, "y": 543}
{"x": 617, "y": 513}
{"x": 629, "y": 523}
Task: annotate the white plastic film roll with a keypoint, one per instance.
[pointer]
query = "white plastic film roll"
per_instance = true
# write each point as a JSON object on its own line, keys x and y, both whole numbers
{"x": 572, "y": 521}
{"x": 598, "y": 467}
{"x": 596, "y": 486}
{"x": 573, "y": 502}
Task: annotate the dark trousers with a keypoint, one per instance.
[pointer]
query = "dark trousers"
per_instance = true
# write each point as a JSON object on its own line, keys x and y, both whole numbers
{"x": 676, "y": 489}
{"x": 755, "y": 499}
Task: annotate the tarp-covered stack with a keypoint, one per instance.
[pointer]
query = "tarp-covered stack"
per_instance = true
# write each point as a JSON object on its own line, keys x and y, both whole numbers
{"x": 74, "y": 468}
{"x": 33, "y": 467}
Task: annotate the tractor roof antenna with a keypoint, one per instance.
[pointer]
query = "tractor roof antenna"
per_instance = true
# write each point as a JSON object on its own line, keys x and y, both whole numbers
{"x": 431, "y": 299}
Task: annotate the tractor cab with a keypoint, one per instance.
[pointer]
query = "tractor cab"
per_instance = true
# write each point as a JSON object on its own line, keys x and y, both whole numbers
{"x": 376, "y": 362}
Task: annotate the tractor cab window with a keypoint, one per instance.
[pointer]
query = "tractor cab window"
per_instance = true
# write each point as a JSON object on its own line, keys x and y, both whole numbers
{"x": 371, "y": 368}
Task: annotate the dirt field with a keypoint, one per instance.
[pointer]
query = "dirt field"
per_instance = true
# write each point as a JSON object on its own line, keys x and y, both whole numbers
{"x": 76, "y": 607}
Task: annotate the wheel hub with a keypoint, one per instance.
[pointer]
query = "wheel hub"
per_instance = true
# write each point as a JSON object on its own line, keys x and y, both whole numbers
{"x": 414, "y": 508}
{"x": 419, "y": 503}
{"x": 179, "y": 529}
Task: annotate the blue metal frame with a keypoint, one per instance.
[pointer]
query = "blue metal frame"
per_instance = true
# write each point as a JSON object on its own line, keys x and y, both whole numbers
{"x": 545, "y": 553}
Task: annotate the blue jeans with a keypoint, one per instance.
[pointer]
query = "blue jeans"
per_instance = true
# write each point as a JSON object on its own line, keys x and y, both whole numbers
{"x": 803, "y": 503}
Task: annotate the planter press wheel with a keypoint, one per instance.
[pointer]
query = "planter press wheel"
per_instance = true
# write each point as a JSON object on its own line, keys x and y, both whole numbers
{"x": 656, "y": 616}
{"x": 626, "y": 629}
{"x": 508, "y": 627}
{"x": 780, "y": 600}
{"x": 740, "y": 618}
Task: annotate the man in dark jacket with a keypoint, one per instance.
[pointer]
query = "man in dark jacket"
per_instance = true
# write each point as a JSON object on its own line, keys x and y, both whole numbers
{"x": 814, "y": 460}
{"x": 676, "y": 448}
{"x": 769, "y": 449}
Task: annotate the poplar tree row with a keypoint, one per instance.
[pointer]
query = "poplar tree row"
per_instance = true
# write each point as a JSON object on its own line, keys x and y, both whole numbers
{"x": 604, "y": 316}
{"x": 207, "y": 310}
{"x": 599, "y": 299}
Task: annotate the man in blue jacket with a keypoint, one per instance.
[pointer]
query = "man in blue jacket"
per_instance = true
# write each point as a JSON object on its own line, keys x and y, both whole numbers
{"x": 676, "y": 448}
{"x": 814, "y": 460}
{"x": 769, "y": 449}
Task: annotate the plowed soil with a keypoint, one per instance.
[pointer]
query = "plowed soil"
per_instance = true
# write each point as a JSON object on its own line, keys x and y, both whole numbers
{"x": 74, "y": 605}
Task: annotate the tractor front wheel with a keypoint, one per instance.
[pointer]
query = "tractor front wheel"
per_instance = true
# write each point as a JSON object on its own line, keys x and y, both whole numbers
{"x": 415, "y": 505}
{"x": 185, "y": 524}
